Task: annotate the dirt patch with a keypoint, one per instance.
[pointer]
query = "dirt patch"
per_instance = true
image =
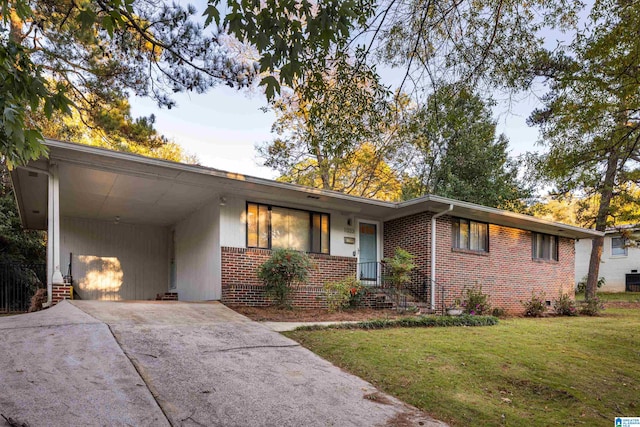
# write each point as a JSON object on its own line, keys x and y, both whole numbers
{"x": 272, "y": 314}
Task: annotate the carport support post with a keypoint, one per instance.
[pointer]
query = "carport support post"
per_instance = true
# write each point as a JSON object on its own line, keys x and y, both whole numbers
{"x": 53, "y": 233}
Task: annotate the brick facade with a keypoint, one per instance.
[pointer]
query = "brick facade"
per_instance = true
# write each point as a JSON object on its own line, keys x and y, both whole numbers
{"x": 507, "y": 272}
{"x": 61, "y": 292}
{"x": 241, "y": 286}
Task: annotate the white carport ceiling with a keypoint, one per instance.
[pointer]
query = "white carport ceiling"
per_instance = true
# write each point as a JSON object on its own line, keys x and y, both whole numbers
{"x": 103, "y": 195}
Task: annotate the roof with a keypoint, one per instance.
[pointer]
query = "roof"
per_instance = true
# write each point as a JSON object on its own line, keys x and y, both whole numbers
{"x": 102, "y": 184}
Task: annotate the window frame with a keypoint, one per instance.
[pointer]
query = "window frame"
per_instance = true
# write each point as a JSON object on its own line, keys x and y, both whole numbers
{"x": 311, "y": 215}
{"x": 624, "y": 247}
{"x": 534, "y": 247}
{"x": 456, "y": 236}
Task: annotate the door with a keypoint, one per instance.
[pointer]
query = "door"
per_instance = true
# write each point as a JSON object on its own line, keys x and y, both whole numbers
{"x": 367, "y": 251}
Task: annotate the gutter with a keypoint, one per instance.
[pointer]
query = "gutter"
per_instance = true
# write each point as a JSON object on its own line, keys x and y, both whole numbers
{"x": 433, "y": 254}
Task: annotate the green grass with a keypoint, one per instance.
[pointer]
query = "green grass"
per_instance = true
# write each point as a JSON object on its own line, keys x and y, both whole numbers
{"x": 534, "y": 372}
{"x": 614, "y": 296}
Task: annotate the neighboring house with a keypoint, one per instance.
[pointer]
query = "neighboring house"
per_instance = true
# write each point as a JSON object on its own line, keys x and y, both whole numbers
{"x": 620, "y": 261}
{"x": 132, "y": 227}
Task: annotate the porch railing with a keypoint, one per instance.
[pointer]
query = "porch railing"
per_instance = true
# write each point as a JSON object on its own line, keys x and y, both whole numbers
{"x": 376, "y": 274}
{"x": 18, "y": 283}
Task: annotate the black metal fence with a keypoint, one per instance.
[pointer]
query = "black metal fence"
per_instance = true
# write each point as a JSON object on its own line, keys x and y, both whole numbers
{"x": 376, "y": 274}
{"x": 18, "y": 283}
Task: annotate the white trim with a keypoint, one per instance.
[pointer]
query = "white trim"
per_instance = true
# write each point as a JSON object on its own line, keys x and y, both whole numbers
{"x": 378, "y": 242}
{"x": 55, "y": 217}
{"x": 50, "y": 233}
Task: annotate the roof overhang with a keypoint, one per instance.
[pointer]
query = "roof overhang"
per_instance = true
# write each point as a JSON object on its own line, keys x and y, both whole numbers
{"x": 489, "y": 215}
{"x": 102, "y": 184}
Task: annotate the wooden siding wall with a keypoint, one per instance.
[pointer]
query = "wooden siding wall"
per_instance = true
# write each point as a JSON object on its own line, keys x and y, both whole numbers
{"x": 115, "y": 261}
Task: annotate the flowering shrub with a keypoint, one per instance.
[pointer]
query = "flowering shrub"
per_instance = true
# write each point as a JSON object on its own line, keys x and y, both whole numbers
{"x": 592, "y": 307}
{"x": 284, "y": 270}
{"x": 581, "y": 286}
{"x": 565, "y": 306}
{"x": 536, "y": 306}
{"x": 344, "y": 293}
{"x": 475, "y": 302}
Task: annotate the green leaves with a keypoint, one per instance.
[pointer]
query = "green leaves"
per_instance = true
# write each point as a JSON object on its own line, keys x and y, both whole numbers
{"x": 457, "y": 151}
{"x": 292, "y": 37}
{"x": 282, "y": 272}
{"x": 23, "y": 87}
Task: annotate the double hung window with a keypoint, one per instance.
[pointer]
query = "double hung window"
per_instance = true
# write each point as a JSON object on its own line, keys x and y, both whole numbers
{"x": 545, "y": 247}
{"x": 470, "y": 235}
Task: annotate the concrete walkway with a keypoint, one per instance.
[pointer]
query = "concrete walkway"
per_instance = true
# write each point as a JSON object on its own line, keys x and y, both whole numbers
{"x": 292, "y": 326}
{"x": 175, "y": 363}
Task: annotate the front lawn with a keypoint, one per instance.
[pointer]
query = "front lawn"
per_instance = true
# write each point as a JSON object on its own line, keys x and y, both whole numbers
{"x": 534, "y": 372}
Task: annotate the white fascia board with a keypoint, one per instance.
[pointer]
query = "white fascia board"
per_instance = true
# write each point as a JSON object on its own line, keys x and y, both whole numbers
{"x": 59, "y": 148}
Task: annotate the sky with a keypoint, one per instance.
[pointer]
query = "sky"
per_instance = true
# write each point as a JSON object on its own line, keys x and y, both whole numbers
{"x": 223, "y": 126}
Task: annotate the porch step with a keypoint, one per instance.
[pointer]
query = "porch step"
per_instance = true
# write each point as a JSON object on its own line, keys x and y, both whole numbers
{"x": 381, "y": 301}
{"x": 167, "y": 296}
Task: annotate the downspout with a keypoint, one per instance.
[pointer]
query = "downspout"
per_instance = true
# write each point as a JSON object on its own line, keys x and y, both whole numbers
{"x": 433, "y": 254}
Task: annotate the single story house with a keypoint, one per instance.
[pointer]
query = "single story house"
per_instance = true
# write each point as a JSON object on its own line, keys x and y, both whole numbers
{"x": 620, "y": 261}
{"x": 132, "y": 227}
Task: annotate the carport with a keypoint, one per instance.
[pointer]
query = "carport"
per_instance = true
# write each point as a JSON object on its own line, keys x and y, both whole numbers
{"x": 125, "y": 224}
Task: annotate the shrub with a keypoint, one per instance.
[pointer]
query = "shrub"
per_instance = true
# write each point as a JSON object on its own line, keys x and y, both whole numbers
{"x": 475, "y": 302}
{"x": 591, "y": 307}
{"x": 282, "y": 272}
{"x": 565, "y": 306}
{"x": 398, "y": 268}
{"x": 410, "y": 322}
{"x": 345, "y": 293}
{"x": 581, "y": 286}
{"x": 38, "y": 299}
{"x": 498, "y": 312}
{"x": 536, "y": 306}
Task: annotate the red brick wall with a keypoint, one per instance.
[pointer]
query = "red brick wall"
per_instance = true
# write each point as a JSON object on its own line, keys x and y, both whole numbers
{"x": 241, "y": 286}
{"x": 60, "y": 292}
{"x": 507, "y": 272}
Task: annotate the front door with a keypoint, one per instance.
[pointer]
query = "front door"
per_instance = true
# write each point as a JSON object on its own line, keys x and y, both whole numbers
{"x": 368, "y": 251}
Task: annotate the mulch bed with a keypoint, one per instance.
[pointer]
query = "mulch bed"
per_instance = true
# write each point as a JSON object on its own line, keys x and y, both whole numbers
{"x": 621, "y": 304}
{"x": 273, "y": 314}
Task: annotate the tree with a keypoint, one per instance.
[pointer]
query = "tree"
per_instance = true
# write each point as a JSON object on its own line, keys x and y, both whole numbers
{"x": 457, "y": 153}
{"x": 56, "y": 54}
{"x": 16, "y": 244}
{"x": 591, "y": 118}
{"x": 115, "y": 129}
{"x": 491, "y": 42}
{"x": 336, "y": 131}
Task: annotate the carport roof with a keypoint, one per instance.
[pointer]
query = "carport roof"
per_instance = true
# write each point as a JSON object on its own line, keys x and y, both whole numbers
{"x": 102, "y": 184}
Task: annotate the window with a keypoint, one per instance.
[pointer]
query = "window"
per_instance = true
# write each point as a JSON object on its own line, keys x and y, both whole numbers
{"x": 618, "y": 246}
{"x": 545, "y": 246}
{"x": 470, "y": 235}
{"x": 273, "y": 227}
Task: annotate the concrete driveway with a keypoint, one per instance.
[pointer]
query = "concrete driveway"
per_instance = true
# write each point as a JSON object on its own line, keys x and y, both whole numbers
{"x": 175, "y": 363}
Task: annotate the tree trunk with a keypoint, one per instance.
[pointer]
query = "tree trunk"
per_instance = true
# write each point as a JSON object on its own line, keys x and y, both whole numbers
{"x": 606, "y": 194}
